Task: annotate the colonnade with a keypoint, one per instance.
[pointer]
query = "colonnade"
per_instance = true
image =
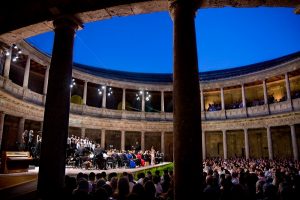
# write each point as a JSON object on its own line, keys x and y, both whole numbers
{"x": 246, "y": 142}
{"x": 26, "y": 77}
{"x": 188, "y": 141}
{"x": 104, "y": 132}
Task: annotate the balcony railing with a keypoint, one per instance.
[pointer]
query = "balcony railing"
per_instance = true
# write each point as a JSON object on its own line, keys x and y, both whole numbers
{"x": 254, "y": 111}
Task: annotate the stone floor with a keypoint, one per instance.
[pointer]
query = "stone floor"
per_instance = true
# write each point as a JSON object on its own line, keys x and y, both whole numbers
{"x": 17, "y": 186}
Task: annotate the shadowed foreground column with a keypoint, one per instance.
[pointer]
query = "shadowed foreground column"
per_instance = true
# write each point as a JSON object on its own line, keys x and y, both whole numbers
{"x": 56, "y": 117}
{"x": 187, "y": 109}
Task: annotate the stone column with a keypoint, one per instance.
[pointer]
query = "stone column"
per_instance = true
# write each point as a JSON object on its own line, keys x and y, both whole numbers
{"x": 222, "y": 99}
{"x": 51, "y": 178}
{"x": 294, "y": 142}
{"x": 203, "y": 145}
{"x": 265, "y": 92}
{"x": 82, "y": 132}
{"x": 270, "y": 145}
{"x": 202, "y": 100}
{"x": 84, "y": 92}
{"x": 124, "y": 99}
{"x": 287, "y": 86}
{"x": 20, "y": 129}
{"x": 143, "y": 141}
{"x": 143, "y": 101}
{"x": 2, "y": 115}
{"x": 122, "y": 140}
{"x": 187, "y": 108}
{"x": 162, "y": 101}
{"x": 224, "y": 144}
{"x": 246, "y": 136}
{"x": 243, "y": 96}
{"x": 162, "y": 142}
{"x": 7, "y": 64}
{"x": 104, "y": 97}
{"x": 103, "y": 138}
{"x": 41, "y": 127}
{"x": 46, "y": 80}
{"x": 26, "y": 73}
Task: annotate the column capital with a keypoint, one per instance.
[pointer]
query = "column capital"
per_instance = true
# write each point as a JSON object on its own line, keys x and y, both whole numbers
{"x": 68, "y": 21}
{"x": 195, "y": 4}
{"x": 191, "y": 4}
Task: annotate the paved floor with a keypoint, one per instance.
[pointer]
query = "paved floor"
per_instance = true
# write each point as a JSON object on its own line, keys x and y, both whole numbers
{"x": 17, "y": 186}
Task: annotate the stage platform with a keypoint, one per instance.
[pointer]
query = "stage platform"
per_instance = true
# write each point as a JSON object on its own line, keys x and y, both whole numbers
{"x": 18, "y": 185}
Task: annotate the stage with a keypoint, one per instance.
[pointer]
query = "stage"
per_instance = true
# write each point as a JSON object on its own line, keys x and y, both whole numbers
{"x": 19, "y": 184}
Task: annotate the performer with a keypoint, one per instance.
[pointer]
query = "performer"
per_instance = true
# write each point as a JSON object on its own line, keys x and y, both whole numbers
{"x": 24, "y": 140}
{"x": 30, "y": 139}
{"x": 152, "y": 153}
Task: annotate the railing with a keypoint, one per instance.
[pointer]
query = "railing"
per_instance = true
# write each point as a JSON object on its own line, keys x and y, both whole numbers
{"x": 236, "y": 113}
{"x": 296, "y": 104}
{"x": 258, "y": 110}
{"x": 33, "y": 97}
{"x": 280, "y": 107}
{"x": 254, "y": 111}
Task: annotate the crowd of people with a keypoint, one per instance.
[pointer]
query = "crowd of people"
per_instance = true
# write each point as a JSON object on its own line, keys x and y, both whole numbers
{"x": 231, "y": 179}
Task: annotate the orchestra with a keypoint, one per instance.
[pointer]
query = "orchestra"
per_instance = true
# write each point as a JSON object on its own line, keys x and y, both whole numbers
{"x": 85, "y": 153}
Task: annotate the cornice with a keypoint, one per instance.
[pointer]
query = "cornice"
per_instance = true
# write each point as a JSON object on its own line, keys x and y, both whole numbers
{"x": 280, "y": 69}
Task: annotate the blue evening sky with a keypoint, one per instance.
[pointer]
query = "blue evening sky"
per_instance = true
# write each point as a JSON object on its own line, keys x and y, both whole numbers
{"x": 226, "y": 38}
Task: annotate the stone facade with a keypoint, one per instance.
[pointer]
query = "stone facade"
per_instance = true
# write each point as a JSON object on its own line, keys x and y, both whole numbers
{"x": 149, "y": 127}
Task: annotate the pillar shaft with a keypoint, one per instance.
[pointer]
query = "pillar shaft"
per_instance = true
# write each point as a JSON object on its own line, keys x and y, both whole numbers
{"x": 202, "y": 100}
{"x": 46, "y": 80}
{"x": 203, "y": 145}
{"x": 243, "y": 96}
{"x": 143, "y": 141}
{"x": 294, "y": 142}
{"x": 7, "y": 64}
{"x": 270, "y": 145}
{"x": 42, "y": 125}
{"x": 26, "y": 73}
{"x": 21, "y": 129}
{"x": 51, "y": 179}
{"x": 246, "y": 136}
{"x": 162, "y": 142}
{"x": 122, "y": 140}
{"x": 103, "y": 138}
{"x": 287, "y": 86}
{"x": 265, "y": 92}
{"x": 186, "y": 96}
{"x": 222, "y": 99}
{"x": 82, "y": 132}
{"x": 124, "y": 99}
{"x": 104, "y": 98}
{"x": 162, "y": 101}
{"x": 85, "y": 92}
{"x": 2, "y": 115}
{"x": 224, "y": 144}
{"x": 143, "y": 101}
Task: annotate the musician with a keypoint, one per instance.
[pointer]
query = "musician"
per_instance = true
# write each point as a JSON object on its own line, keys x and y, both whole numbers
{"x": 137, "y": 146}
{"x": 99, "y": 160}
